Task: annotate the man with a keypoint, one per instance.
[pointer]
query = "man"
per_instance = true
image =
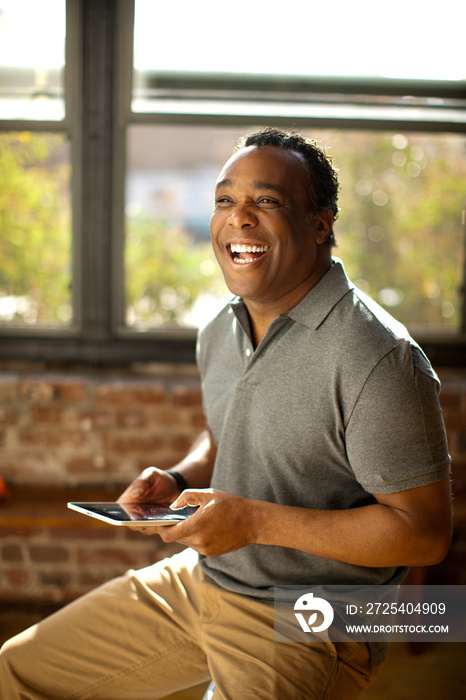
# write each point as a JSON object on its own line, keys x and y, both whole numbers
{"x": 325, "y": 462}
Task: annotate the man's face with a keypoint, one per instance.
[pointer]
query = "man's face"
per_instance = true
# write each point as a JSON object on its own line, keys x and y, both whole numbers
{"x": 263, "y": 235}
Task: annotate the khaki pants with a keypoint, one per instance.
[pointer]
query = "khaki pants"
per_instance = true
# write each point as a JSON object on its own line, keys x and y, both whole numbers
{"x": 165, "y": 628}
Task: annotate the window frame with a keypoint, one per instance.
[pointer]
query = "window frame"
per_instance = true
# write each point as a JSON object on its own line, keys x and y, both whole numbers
{"x": 98, "y": 82}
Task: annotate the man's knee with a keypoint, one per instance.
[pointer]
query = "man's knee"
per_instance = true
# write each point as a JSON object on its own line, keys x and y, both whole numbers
{"x": 10, "y": 667}
{"x": 7, "y": 651}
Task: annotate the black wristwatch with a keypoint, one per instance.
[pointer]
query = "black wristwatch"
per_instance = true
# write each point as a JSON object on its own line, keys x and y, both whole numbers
{"x": 180, "y": 480}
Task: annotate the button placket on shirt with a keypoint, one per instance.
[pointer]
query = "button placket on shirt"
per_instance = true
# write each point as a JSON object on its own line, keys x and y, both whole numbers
{"x": 252, "y": 355}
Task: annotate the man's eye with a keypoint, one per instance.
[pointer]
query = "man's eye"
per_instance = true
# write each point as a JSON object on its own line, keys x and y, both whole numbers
{"x": 222, "y": 200}
{"x": 266, "y": 201}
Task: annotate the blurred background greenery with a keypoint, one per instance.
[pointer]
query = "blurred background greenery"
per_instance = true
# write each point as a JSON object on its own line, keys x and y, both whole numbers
{"x": 400, "y": 231}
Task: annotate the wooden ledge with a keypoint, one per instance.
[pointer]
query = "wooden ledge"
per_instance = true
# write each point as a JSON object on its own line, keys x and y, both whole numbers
{"x": 35, "y": 507}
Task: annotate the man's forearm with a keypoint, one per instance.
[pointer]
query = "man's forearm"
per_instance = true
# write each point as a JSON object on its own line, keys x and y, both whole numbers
{"x": 197, "y": 467}
{"x": 378, "y": 535}
{"x": 367, "y": 536}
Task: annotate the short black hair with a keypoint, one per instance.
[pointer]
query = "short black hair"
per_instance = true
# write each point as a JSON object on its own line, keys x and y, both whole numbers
{"x": 324, "y": 186}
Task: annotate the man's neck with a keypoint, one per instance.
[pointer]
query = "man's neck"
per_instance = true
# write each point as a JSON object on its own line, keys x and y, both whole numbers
{"x": 263, "y": 313}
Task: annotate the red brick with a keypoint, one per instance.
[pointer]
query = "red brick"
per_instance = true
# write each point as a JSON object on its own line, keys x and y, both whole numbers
{"x": 48, "y": 388}
{"x": 48, "y": 553}
{"x": 149, "y": 395}
{"x": 12, "y": 552}
{"x": 129, "y": 393}
{"x": 132, "y": 443}
{"x": 165, "y": 417}
{"x": 131, "y": 419}
{"x": 35, "y": 466}
{"x": 19, "y": 578}
{"x": 162, "y": 461}
{"x": 89, "y": 464}
{"x": 187, "y": 396}
{"x": 198, "y": 421}
{"x": 70, "y": 391}
{"x": 52, "y": 438}
{"x": 95, "y": 419}
{"x": 54, "y": 578}
{"x": 36, "y": 390}
{"x": 46, "y": 414}
{"x": 181, "y": 443}
{"x": 7, "y": 416}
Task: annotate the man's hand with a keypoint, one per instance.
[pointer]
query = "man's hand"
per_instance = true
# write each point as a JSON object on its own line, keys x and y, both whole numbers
{"x": 222, "y": 524}
{"x": 152, "y": 486}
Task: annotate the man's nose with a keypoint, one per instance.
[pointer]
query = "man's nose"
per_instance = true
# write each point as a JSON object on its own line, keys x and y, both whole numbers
{"x": 243, "y": 216}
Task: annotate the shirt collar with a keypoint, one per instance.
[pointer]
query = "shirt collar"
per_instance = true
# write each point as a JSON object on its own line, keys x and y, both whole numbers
{"x": 320, "y": 300}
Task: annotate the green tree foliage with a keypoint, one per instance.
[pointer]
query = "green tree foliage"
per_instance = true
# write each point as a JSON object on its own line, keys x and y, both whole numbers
{"x": 35, "y": 229}
{"x": 400, "y": 230}
{"x": 400, "y": 234}
{"x": 166, "y": 273}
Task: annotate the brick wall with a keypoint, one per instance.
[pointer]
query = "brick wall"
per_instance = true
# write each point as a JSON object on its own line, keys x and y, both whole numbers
{"x": 59, "y": 432}
{"x": 53, "y": 565}
{"x": 86, "y": 429}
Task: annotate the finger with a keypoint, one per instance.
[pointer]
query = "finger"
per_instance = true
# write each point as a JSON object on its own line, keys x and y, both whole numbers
{"x": 138, "y": 489}
{"x": 171, "y": 533}
{"x": 145, "y": 530}
{"x": 134, "y": 492}
{"x": 192, "y": 497}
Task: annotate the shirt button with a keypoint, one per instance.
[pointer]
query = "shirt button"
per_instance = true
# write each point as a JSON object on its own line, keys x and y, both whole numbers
{"x": 248, "y": 352}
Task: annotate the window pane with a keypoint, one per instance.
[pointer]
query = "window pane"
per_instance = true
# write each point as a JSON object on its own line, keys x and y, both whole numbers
{"x": 250, "y": 38}
{"x": 32, "y": 59}
{"x": 252, "y": 60}
{"x": 192, "y": 58}
{"x": 35, "y": 230}
{"x": 400, "y": 232}
{"x": 172, "y": 278}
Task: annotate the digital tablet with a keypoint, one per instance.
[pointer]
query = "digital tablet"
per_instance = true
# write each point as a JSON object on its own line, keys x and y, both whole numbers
{"x": 146, "y": 514}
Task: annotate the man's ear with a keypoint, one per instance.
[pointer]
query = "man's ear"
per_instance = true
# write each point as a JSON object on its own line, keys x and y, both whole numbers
{"x": 324, "y": 224}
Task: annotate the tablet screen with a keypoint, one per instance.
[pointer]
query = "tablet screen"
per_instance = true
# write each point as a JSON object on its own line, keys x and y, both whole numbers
{"x": 133, "y": 513}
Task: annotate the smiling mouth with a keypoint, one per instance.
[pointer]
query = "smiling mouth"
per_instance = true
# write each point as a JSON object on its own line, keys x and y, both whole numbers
{"x": 242, "y": 254}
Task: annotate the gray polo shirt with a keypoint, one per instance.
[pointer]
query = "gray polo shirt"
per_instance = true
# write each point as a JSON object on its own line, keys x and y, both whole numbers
{"x": 335, "y": 404}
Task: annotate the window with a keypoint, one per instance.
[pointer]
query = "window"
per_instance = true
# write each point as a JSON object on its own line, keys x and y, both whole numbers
{"x": 399, "y": 217}
{"x": 129, "y": 133}
{"x": 35, "y": 247}
{"x": 35, "y": 168}
{"x": 398, "y": 113}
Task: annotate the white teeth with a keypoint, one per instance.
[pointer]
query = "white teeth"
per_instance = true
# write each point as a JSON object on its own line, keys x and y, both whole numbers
{"x": 241, "y": 261}
{"x": 236, "y": 248}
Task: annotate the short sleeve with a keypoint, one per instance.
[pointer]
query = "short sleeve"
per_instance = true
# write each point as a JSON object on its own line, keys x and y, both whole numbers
{"x": 395, "y": 437}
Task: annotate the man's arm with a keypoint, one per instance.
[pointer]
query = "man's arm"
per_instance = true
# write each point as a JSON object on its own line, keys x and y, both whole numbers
{"x": 411, "y": 528}
{"x": 156, "y": 485}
